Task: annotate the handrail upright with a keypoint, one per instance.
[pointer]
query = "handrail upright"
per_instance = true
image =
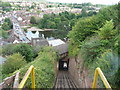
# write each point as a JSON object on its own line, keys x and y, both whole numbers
{"x": 98, "y": 71}
{"x": 30, "y": 71}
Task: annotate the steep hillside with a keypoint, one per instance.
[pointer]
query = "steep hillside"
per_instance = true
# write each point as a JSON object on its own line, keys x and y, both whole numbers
{"x": 96, "y": 40}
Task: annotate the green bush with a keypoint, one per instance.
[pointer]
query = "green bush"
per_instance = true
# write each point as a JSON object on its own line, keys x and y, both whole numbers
{"x": 7, "y": 25}
{"x": 25, "y": 50}
{"x": 108, "y": 62}
{"x": 37, "y": 49}
{"x": 13, "y": 62}
{"x": 44, "y": 69}
{"x": 33, "y": 20}
{"x": 4, "y": 34}
{"x": 8, "y": 49}
{"x": 107, "y": 31}
{"x": 90, "y": 49}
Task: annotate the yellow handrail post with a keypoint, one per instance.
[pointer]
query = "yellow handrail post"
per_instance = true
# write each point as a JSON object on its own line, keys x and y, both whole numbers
{"x": 95, "y": 79}
{"x": 30, "y": 71}
{"x": 33, "y": 79}
{"x": 99, "y": 72}
{"x": 103, "y": 78}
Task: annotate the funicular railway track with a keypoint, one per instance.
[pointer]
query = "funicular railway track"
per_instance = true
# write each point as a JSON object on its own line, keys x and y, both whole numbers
{"x": 64, "y": 81}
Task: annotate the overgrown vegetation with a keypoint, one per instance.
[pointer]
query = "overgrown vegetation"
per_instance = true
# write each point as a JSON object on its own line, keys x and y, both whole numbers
{"x": 24, "y": 49}
{"x": 13, "y": 62}
{"x": 96, "y": 39}
{"x": 44, "y": 69}
{"x": 6, "y": 6}
{"x": 4, "y": 34}
{"x": 7, "y": 25}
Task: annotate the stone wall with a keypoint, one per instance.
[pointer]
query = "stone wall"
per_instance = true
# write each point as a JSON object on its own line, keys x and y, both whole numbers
{"x": 79, "y": 72}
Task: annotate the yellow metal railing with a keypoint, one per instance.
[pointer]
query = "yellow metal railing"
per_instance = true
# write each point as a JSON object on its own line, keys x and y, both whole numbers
{"x": 30, "y": 71}
{"x": 99, "y": 72}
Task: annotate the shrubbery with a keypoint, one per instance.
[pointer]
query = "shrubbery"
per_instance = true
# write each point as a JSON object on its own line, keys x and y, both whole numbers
{"x": 96, "y": 39}
{"x": 3, "y": 34}
{"x": 44, "y": 69}
{"x": 6, "y": 6}
{"x": 100, "y": 51}
{"x": 108, "y": 62}
{"x": 107, "y": 31}
{"x": 8, "y": 49}
{"x": 13, "y": 62}
{"x": 24, "y": 49}
{"x": 7, "y": 25}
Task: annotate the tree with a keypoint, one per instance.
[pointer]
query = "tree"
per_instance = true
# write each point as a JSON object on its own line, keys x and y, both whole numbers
{"x": 6, "y": 6}
{"x": 107, "y": 31}
{"x": 57, "y": 20}
{"x": 91, "y": 13}
{"x": 7, "y": 24}
{"x": 7, "y": 20}
{"x": 25, "y": 29}
{"x": 33, "y": 20}
{"x": 51, "y": 24}
{"x": 32, "y": 7}
{"x": 84, "y": 13}
{"x": 118, "y": 18}
{"x": 8, "y": 49}
{"x": 4, "y": 34}
{"x": 13, "y": 62}
{"x": 25, "y": 50}
{"x": 83, "y": 28}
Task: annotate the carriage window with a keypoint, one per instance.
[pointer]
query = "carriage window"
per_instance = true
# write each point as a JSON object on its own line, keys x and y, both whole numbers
{"x": 65, "y": 65}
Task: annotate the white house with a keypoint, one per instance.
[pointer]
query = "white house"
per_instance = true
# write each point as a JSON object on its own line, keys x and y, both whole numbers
{"x": 31, "y": 35}
{"x": 16, "y": 41}
{"x": 55, "y": 42}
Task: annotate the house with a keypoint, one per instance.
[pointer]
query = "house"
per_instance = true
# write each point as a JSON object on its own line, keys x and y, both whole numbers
{"x": 39, "y": 42}
{"x": 20, "y": 19}
{"x": 31, "y": 35}
{"x": 16, "y": 41}
{"x": 62, "y": 49}
{"x": 55, "y": 42}
{"x": 13, "y": 39}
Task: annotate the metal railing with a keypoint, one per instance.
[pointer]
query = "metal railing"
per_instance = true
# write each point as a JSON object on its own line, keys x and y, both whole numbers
{"x": 30, "y": 71}
{"x": 99, "y": 72}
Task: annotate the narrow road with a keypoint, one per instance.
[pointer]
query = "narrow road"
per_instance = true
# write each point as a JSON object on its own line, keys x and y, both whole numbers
{"x": 18, "y": 31}
{"x": 64, "y": 80}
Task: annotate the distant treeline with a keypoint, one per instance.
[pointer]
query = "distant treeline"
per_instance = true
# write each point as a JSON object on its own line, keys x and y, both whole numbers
{"x": 6, "y": 6}
{"x": 62, "y": 22}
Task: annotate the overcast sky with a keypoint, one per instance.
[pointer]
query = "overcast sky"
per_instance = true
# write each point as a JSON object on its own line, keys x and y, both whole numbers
{"x": 107, "y": 2}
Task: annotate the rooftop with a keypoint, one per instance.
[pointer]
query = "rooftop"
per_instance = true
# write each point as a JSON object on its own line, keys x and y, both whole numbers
{"x": 55, "y": 42}
{"x": 61, "y": 49}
